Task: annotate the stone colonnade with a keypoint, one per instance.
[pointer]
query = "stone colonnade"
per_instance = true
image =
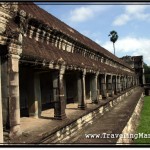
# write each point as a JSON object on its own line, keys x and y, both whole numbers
{"x": 103, "y": 84}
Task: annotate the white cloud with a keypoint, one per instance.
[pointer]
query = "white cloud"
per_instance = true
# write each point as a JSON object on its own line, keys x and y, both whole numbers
{"x": 131, "y": 45}
{"x": 85, "y": 13}
{"x": 121, "y": 20}
{"x": 81, "y": 14}
{"x": 132, "y": 12}
{"x": 133, "y": 9}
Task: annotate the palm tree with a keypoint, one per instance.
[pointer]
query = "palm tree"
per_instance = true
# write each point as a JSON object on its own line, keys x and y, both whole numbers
{"x": 113, "y": 38}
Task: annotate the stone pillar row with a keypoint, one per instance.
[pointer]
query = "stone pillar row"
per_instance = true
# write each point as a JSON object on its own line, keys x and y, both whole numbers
{"x": 58, "y": 90}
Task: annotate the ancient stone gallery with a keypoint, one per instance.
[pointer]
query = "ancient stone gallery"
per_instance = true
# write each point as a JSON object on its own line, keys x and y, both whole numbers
{"x": 45, "y": 64}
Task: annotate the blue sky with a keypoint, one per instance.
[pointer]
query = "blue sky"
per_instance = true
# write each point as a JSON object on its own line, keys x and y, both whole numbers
{"x": 132, "y": 23}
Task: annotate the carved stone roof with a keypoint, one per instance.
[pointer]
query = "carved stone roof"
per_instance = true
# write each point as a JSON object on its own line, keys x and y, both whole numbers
{"x": 57, "y": 24}
{"x": 42, "y": 51}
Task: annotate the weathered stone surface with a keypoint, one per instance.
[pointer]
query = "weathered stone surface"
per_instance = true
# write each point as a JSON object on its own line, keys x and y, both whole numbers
{"x": 14, "y": 105}
{"x": 103, "y": 86}
{"x": 60, "y": 104}
{"x": 82, "y": 103}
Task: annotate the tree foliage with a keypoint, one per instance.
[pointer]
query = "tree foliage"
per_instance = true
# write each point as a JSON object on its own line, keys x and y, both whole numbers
{"x": 147, "y": 73}
{"x": 113, "y": 36}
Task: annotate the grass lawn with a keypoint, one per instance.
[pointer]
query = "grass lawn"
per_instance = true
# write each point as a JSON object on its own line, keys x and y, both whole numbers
{"x": 144, "y": 124}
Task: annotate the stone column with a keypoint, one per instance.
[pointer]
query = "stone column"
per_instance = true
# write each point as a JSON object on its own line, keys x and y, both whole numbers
{"x": 98, "y": 87}
{"x": 94, "y": 91}
{"x": 133, "y": 81}
{"x": 14, "y": 101}
{"x": 121, "y": 83}
{"x": 103, "y": 86}
{"x": 34, "y": 95}
{"x": 118, "y": 84}
{"x": 65, "y": 92}
{"x": 114, "y": 84}
{"x": 1, "y": 120}
{"x": 79, "y": 88}
{"x": 37, "y": 91}
{"x": 125, "y": 82}
{"x": 130, "y": 82}
{"x": 137, "y": 81}
{"x": 82, "y": 101}
{"x": 60, "y": 104}
{"x": 110, "y": 86}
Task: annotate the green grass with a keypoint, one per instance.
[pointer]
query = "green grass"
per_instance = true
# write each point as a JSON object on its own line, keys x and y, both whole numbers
{"x": 144, "y": 124}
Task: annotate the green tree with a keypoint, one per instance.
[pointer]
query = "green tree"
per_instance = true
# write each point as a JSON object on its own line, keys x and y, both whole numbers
{"x": 147, "y": 73}
{"x": 113, "y": 38}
